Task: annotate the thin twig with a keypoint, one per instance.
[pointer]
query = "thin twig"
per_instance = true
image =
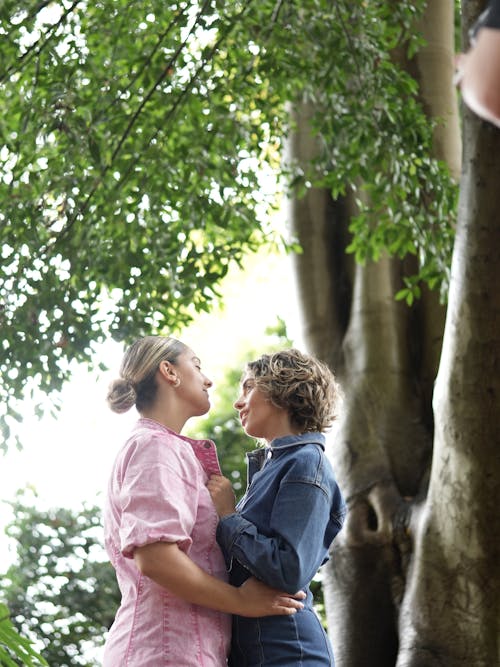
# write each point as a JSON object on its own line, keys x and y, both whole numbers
{"x": 36, "y": 49}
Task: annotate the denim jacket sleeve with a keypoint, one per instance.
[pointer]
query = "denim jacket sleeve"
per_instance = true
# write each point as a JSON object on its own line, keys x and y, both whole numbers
{"x": 304, "y": 517}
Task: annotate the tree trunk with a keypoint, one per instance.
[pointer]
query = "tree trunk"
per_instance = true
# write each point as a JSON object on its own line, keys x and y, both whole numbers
{"x": 407, "y": 583}
{"x": 382, "y": 446}
{"x": 450, "y": 615}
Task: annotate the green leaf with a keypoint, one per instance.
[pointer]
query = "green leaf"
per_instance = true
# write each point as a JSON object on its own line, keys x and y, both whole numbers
{"x": 12, "y": 643}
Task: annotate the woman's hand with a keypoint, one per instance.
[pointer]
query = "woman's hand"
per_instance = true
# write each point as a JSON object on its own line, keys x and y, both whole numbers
{"x": 221, "y": 491}
{"x": 261, "y": 600}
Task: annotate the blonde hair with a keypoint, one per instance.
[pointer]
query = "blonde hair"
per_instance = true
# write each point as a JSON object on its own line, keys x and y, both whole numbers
{"x": 137, "y": 382}
{"x": 301, "y": 384}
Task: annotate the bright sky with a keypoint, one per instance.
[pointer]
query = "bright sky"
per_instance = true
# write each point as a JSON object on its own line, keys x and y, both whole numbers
{"x": 68, "y": 459}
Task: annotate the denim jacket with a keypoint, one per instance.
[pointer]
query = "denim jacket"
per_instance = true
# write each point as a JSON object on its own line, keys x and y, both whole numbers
{"x": 292, "y": 510}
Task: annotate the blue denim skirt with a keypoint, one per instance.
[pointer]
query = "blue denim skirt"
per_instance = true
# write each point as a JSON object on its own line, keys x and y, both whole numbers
{"x": 280, "y": 641}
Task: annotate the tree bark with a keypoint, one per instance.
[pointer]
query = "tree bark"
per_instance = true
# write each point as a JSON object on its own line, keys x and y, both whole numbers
{"x": 451, "y": 611}
{"x": 382, "y": 446}
{"x": 407, "y": 583}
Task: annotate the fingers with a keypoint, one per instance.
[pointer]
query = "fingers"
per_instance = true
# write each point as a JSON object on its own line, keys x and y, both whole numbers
{"x": 222, "y": 494}
{"x": 286, "y": 611}
{"x": 290, "y": 603}
{"x": 285, "y": 605}
{"x": 299, "y": 595}
{"x": 216, "y": 482}
{"x": 261, "y": 600}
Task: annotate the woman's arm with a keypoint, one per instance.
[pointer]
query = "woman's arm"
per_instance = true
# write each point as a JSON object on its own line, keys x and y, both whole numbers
{"x": 289, "y": 555}
{"x": 478, "y": 75}
{"x": 168, "y": 566}
{"x": 301, "y": 528}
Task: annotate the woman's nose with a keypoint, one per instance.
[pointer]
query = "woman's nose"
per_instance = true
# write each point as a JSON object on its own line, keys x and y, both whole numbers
{"x": 238, "y": 403}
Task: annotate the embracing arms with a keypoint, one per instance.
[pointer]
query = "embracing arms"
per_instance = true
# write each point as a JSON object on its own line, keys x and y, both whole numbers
{"x": 168, "y": 566}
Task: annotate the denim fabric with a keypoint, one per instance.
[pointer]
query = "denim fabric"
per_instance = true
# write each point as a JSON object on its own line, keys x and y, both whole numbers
{"x": 280, "y": 641}
{"x": 281, "y": 533}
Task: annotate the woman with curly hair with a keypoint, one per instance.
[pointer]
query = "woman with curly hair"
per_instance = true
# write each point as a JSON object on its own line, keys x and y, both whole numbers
{"x": 282, "y": 529}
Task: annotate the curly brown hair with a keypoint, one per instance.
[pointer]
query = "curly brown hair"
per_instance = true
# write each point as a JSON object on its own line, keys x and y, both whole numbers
{"x": 299, "y": 383}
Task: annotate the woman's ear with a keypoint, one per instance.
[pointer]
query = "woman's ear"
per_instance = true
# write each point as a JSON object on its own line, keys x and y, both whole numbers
{"x": 167, "y": 372}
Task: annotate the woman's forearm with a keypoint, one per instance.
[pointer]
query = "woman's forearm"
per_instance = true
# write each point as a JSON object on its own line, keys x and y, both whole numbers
{"x": 479, "y": 76}
{"x": 171, "y": 568}
{"x": 168, "y": 566}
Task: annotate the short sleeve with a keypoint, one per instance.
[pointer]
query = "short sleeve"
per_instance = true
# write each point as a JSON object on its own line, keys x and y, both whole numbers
{"x": 493, "y": 17}
{"x": 158, "y": 497}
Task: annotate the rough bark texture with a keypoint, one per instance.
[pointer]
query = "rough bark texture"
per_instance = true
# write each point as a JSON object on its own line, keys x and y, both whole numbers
{"x": 382, "y": 446}
{"x": 451, "y": 614}
{"x": 413, "y": 579}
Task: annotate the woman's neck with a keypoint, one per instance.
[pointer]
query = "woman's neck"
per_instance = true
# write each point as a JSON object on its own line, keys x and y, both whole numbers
{"x": 174, "y": 423}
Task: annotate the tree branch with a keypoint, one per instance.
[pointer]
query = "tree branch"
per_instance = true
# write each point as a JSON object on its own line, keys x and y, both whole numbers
{"x": 35, "y": 49}
{"x": 137, "y": 113}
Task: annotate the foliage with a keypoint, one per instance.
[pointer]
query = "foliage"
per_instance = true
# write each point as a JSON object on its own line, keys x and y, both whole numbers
{"x": 61, "y": 590}
{"x": 119, "y": 213}
{"x": 13, "y": 644}
{"x": 133, "y": 146}
{"x": 373, "y": 137}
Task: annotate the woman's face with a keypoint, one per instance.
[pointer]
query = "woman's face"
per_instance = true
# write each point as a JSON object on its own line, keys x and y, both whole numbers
{"x": 194, "y": 385}
{"x": 259, "y": 417}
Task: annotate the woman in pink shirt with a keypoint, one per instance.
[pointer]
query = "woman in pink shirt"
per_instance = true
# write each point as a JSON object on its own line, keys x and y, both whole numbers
{"x": 160, "y": 522}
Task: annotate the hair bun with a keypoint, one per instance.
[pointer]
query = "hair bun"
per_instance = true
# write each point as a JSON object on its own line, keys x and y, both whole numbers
{"x": 121, "y": 395}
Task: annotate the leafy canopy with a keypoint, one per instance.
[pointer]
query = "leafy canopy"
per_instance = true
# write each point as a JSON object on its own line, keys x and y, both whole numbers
{"x": 139, "y": 147}
{"x": 61, "y": 589}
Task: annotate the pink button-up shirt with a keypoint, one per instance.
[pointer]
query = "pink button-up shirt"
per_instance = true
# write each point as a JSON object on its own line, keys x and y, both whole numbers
{"x": 157, "y": 493}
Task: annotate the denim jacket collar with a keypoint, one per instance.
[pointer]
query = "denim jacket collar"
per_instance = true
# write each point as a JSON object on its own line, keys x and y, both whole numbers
{"x": 278, "y": 446}
{"x": 293, "y": 440}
